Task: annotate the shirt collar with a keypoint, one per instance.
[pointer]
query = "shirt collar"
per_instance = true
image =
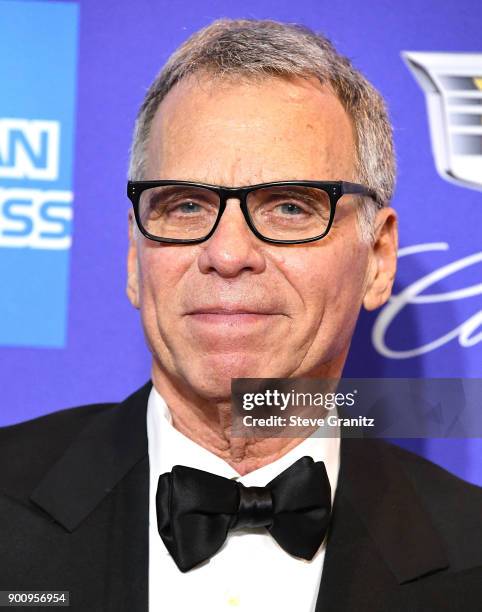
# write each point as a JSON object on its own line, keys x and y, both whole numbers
{"x": 169, "y": 447}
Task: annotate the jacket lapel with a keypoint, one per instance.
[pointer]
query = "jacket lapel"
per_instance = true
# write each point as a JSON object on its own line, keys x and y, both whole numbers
{"x": 100, "y": 485}
{"x": 380, "y": 535}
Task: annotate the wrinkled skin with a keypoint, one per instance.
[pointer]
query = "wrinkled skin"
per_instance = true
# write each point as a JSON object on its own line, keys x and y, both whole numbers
{"x": 295, "y": 306}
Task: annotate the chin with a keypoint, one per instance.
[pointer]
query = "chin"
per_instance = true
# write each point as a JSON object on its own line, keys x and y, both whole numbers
{"x": 212, "y": 374}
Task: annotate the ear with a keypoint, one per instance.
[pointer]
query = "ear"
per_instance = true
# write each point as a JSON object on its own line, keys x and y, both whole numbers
{"x": 132, "y": 288}
{"x": 382, "y": 260}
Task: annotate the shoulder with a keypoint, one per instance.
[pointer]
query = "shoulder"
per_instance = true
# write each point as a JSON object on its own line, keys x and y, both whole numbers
{"x": 27, "y": 449}
{"x": 433, "y": 482}
{"x": 455, "y": 505}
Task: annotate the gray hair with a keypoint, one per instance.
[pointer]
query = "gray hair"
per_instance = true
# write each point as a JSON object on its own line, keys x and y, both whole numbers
{"x": 234, "y": 48}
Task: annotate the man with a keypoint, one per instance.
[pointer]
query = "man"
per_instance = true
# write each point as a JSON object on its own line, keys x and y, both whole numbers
{"x": 256, "y": 282}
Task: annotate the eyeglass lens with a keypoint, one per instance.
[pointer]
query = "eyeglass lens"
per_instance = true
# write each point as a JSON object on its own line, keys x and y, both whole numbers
{"x": 279, "y": 213}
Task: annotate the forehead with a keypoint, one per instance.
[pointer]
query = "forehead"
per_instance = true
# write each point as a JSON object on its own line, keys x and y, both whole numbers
{"x": 246, "y": 132}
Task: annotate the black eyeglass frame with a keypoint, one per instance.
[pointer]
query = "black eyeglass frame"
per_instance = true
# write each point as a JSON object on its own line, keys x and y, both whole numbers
{"x": 334, "y": 189}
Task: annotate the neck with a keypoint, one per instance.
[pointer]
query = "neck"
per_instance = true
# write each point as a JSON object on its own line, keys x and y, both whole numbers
{"x": 208, "y": 423}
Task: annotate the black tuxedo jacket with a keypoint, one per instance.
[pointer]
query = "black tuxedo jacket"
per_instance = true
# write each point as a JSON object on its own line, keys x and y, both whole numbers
{"x": 74, "y": 494}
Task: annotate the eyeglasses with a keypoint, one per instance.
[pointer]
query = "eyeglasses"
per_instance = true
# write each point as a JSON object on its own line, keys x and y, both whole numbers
{"x": 283, "y": 212}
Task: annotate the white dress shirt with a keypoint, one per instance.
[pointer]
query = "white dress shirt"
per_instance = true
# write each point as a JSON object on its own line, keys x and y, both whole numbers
{"x": 251, "y": 571}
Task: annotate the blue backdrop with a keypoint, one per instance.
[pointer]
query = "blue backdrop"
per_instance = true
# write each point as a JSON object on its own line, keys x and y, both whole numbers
{"x": 72, "y": 75}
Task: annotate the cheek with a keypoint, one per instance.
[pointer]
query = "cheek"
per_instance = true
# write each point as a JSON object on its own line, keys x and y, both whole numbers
{"x": 329, "y": 279}
{"x": 161, "y": 269}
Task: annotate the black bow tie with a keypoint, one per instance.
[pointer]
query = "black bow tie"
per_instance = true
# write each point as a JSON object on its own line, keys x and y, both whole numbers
{"x": 196, "y": 509}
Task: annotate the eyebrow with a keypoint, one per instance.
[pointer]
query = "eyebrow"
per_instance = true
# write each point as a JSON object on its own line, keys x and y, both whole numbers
{"x": 182, "y": 190}
{"x": 301, "y": 194}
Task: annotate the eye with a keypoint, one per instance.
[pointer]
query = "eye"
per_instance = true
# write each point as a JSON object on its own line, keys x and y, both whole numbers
{"x": 186, "y": 207}
{"x": 291, "y": 209}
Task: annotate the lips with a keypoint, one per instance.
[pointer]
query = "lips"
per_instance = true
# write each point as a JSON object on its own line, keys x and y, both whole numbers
{"x": 230, "y": 316}
{"x": 228, "y": 311}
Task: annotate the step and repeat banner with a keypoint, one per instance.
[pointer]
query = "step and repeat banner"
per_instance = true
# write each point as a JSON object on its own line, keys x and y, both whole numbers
{"x": 72, "y": 76}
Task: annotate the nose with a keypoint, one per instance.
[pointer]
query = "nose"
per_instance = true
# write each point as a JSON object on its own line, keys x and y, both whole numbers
{"x": 233, "y": 248}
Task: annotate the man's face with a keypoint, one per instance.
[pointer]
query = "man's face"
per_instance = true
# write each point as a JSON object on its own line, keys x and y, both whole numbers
{"x": 235, "y": 306}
